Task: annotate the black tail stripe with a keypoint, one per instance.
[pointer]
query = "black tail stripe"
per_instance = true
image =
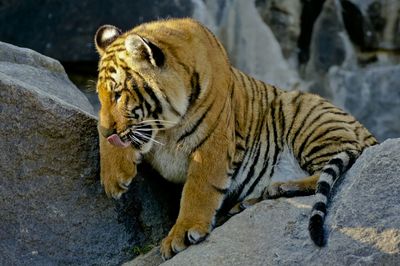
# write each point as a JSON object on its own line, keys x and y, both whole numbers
{"x": 319, "y": 206}
{"x": 339, "y": 163}
{"x": 315, "y": 227}
{"x": 324, "y": 188}
{"x": 330, "y": 172}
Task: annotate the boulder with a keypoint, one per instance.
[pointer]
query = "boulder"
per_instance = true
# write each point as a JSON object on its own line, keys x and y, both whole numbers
{"x": 250, "y": 43}
{"x": 373, "y": 24}
{"x": 371, "y": 94}
{"x": 362, "y": 226}
{"x": 53, "y": 209}
{"x": 330, "y": 46}
{"x": 283, "y": 17}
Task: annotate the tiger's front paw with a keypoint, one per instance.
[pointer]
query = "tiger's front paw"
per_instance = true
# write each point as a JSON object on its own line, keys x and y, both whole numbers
{"x": 116, "y": 179}
{"x": 181, "y": 236}
{"x": 117, "y": 168}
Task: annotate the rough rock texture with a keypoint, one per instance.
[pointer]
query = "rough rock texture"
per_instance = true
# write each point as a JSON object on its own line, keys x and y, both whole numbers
{"x": 284, "y": 18}
{"x": 372, "y": 95}
{"x": 53, "y": 210}
{"x": 65, "y": 29}
{"x": 243, "y": 33}
{"x": 373, "y": 24}
{"x": 329, "y": 43}
{"x": 363, "y": 224}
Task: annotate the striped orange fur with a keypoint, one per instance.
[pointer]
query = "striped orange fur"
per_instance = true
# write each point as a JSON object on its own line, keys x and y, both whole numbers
{"x": 169, "y": 93}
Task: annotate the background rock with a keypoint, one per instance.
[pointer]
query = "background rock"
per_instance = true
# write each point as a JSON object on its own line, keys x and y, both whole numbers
{"x": 65, "y": 29}
{"x": 284, "y": 18}
{"x": 370, "y": 94}
{"x": 49, "y": 138}
{"x": 53, "y": 210}
{"x": 363, "y": 224}
{"x": 289, "y": 43}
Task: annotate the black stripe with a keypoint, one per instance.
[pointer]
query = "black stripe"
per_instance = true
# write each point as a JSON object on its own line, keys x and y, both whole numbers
{"x": 303, "y": 124}
{"x": 237, "y": 133}
{"x": 171, "y": 107}
{"x": 276, "y": 147}
{"x": 319, "y": 206}
{"x": 352, "y": 158}
{"x": 324, "y": 188}
{"x": 198, "y": 122}
{"x": 316, "y": 229}
{"x": 312, "y": 131}
{"x": 331, "y": 172}
{"x": 327, "y": 156}
{"x": 282, "y": 119}
{"x": 216, "y": 123}
{"x": 339, "y": 163}
{"x": 112, "y": 79}
{"x": 150, "y": 92}
{"x": 296, "y": 112}
{"x": 196, "y": 89}
{"x": 256, "y": 147}
{"x": 259, "y": 129}
{"x": 325, "y": 145}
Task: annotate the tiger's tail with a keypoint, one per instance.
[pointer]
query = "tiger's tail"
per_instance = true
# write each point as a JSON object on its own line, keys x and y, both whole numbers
{"x": 336, "y": 167}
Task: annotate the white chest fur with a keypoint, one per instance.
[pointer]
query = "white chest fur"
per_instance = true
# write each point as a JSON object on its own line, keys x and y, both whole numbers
{"x": 170, "y": 161}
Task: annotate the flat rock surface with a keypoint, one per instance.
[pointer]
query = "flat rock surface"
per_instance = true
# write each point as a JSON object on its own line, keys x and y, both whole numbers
{"x": 363, "y": 224}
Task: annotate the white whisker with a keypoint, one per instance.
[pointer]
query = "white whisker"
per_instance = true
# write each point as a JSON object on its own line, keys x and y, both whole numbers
{"x": 149, "y": 129}
{"x": 134, "y": 139}
{"x": 147, "y": 137}
{"x": 157, "y": 120}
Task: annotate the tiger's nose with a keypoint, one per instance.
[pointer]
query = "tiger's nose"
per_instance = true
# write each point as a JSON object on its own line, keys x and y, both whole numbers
{"x": 106, "y": 132}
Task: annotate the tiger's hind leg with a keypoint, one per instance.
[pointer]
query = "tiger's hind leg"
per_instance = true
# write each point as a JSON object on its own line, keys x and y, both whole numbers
{"x": 300, "y": 187}
{"x": 241, "y": 206}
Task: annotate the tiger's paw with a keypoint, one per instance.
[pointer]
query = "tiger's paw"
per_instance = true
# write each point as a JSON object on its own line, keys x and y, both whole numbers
{"x": 281, "y": 189}
{"x": 117, "y": 168}
{"x": 181, "y": 236}
{"x": 116, "y": 182}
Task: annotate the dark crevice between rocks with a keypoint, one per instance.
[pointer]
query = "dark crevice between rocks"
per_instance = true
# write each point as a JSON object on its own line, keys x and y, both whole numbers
{"x": 358, "y": 28}
{"x": 148, "y": 209}
{"x": 309, "y": 14}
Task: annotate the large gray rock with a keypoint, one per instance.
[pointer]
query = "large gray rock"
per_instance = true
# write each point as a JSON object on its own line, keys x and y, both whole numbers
{"x": 250, "y": 43}
{"x": 372, "y": 95}
{"x": 330, "y": 46}
{"x": 373, "y": 24}
{"x": 283, "y": 17}
{"x": 53, "y": 210}
{"x": 363, "y": 224}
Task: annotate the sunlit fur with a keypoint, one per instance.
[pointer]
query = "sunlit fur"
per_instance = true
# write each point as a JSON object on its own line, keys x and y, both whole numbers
{"x": 168, "y": 87}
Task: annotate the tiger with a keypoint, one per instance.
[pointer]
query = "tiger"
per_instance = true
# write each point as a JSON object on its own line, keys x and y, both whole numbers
{"x": 170, "y": 96}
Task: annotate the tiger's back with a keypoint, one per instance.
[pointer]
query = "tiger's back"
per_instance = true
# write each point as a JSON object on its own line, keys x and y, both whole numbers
{"x": 168, "y": 91}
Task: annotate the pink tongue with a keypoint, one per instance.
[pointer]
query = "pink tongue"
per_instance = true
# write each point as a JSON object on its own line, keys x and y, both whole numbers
{"x": 115, "y": 140}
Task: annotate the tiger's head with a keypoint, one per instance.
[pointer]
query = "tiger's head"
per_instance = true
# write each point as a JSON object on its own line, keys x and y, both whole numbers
{"x": 149, "y": 76}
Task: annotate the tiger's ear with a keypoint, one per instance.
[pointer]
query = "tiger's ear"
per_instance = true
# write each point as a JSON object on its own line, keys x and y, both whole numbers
{"x": 105, "y": 35}
{"x": 143, "y": 49}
